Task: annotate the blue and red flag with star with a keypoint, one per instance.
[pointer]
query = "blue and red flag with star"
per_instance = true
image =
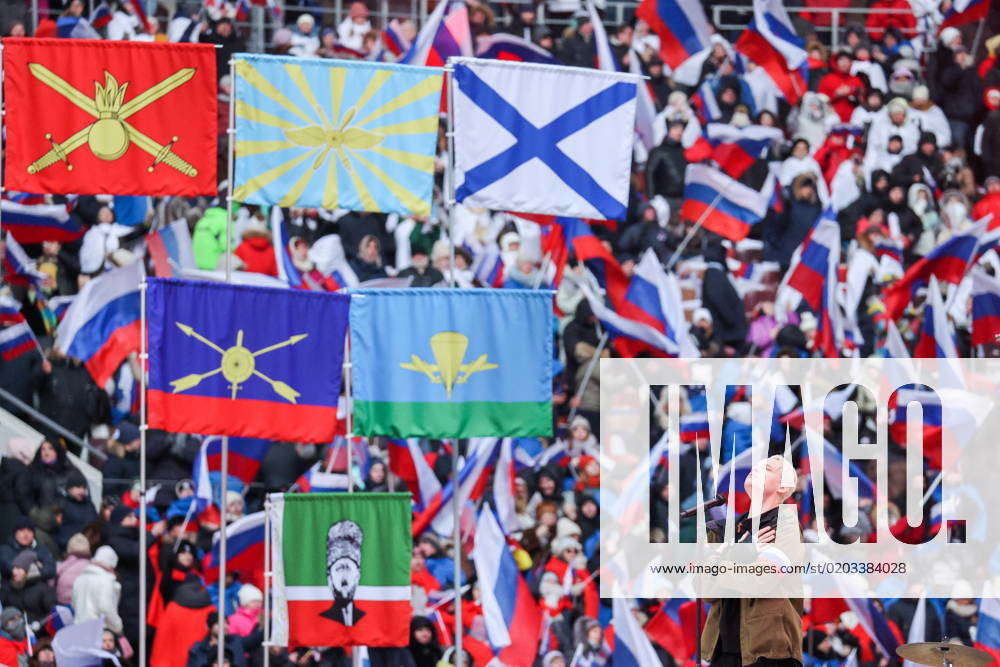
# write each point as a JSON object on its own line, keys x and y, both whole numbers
{"x": 244, "y": 361}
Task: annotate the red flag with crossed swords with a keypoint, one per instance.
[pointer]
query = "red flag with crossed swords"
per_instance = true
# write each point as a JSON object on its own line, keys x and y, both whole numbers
{"x": 103, "y": 117}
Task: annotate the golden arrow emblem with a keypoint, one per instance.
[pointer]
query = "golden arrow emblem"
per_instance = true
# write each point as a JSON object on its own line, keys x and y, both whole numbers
{"x": 110, "y": 135}
{"x": 238, "y": 365}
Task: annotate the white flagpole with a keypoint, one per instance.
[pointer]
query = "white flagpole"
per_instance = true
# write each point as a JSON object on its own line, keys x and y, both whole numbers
{"x": 143, "y": 356}
{"x": 350, "y": 412}
{"x": 266, "y": 621}
{"x": 231, "y": 137}
{"x": 456, "y": 507}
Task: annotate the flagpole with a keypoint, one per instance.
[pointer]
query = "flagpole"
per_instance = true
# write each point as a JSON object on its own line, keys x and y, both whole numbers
{"x": 224, "y": 490}
{"x": 143, "y": 356}
{"x": 590, "y": 371}
{"x": 456, "y": 506}
{"x": 697, "y": 225}
{"x": 266, "y": 621}
{"x": 350, "y": 411}
{"x": 450, "y": 180}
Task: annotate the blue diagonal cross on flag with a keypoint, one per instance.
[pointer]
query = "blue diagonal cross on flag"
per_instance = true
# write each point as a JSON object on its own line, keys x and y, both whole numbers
{"x": 543, "y": 139}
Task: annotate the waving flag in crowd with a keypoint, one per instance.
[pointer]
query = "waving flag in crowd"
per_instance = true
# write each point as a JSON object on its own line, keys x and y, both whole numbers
{"x": 446, "y": 34}
{"x": 139, "y": 146}
{"x": 407, "y": 461}
{"x": 948, "y": 263}
{"x": 217, "y": 366}
{"x": 962, "y": 12}
{"x": 988, "y": 628}
{"x": 453, "y": 374}
{"x": 546, "y": 161}
{"x": 812, "y": 277}
{"x": 10, "y": 310}
{"x": 17, "y": 339}
{"x": 513, "y": 619}
{"x": 771, "y": 42}
{"x": 681, "y": 25}
{"x": 386, "y": 115}
{"x": 37, "y": 222}
{"x": 936, "y": 337}
{"x": 393, "y": 42}
{"x": 244, "y": 550}
{"x": 562, "y": 237}
{"x": 985, "y": 309}
{"x": 318, "y": 480}
{"x": 245, "y": 458}
{"x": 170, "y": 249}
{"x": 724, "y": 205}
{"x": 736, "y": 149}
{"x": 502, "y": 46}
{"x": 472, "y": 478}
{"x": 101, "y": 327}
{"x": 632, "y": 645}
{"x": 18, "y": 268}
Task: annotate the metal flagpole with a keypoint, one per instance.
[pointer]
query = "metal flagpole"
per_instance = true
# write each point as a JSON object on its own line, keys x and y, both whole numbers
{"x": 143, "y": 356}
{"x": 590, "y": 371}
{"x": 697, "y": 225}
{"x": 456, "y": 507}
{"x": 266, "y": 622}
{"x": 350, "y": 412}
{"x": 450, "y": 173}
{"x": 231, "y": 136}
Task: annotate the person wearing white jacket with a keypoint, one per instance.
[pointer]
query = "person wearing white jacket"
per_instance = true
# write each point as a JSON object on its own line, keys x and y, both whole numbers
{"x": 96, "y": 591}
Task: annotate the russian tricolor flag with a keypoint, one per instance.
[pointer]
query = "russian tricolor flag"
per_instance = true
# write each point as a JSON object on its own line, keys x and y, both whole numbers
{"x": 315, "y": 480}
{"x": 985, "y": 309}
{"x": 472, "y": 479}
{"x": 101, "y": 16}
{"x": 962, "y": 12}
{"x": 948, "y": 263}
{"x": 936, "y": 337}
{"x": 407, "y": 461}
{"x": 988, "y": 629}
{"x": 771, "y": 42}
{"x": 245, "y": 458}
{"x": 10, "y": 310}
{"x": 632, "y": 645}
{"x": 562, "y": 236}
{"x": 18, "y": 268}
{"x": 244, "y": 549}
{"x": 502, "y": 46}
{"x": 681, "y": 25}
{"x": 34, "y": 223}
{"x": 931, "y": 415}
{"x": 15, "y": 340}
{"x": 171, "y": 247}
{"x": 737, "y": 149}
{"x": 513, "y": 618}
{"x": 883, "y": 633}
{"x": 101, "y": 327}
{"x": 445, "y": 34}
{"x": 487, "y": 267}
{"x": 724, "y": 205}
{"x": 393, "y": 40}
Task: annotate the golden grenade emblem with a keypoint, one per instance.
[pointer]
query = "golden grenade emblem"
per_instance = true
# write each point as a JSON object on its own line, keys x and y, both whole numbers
{"x": 108, "y": 137}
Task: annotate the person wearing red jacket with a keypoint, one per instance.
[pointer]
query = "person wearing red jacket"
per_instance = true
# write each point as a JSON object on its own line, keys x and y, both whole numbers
{"x": 832, "y": 154}
{"x": 12, "y": 636}
{"x": 255, "y": 252}
{"x": 878, "y": 22}
{"x": 576, "y": 581}
{"x": 989, "y": 204}
{"x": 843, "y": 89}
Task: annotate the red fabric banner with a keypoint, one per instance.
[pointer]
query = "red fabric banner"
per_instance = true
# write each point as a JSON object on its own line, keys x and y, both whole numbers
{"x": 102, "y": 117}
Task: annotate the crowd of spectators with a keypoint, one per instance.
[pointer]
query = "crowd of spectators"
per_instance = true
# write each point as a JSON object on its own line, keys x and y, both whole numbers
{"x": 899, "y": 131}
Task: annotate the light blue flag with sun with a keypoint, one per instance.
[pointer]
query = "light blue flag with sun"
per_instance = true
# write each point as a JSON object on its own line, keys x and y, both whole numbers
{"x": 335, "y": 133}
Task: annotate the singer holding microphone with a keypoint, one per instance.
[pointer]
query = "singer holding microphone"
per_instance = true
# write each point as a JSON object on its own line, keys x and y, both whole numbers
{"x": 763, "y": 632}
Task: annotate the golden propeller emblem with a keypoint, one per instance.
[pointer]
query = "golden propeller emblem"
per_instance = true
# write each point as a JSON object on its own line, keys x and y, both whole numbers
{"x": 238, "y": 364}
{"x": 314, "y": 136}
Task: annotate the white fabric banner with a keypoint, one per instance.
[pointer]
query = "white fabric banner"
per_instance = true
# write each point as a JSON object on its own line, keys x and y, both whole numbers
{"x": 543, "y": 138}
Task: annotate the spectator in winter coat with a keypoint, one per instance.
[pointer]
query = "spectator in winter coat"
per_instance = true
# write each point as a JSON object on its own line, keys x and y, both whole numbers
{"x": 77, "y": 509}
{"x": 13, "y": 642}
{"x": 368, "y": 264}
{"x": 123, "y": 466}
{"x": 24, "y": 539}
{"x": 67, "y": 571}
{"x": 181, "y": 626}
{"x": 209, "y": 238}
{"x": 990, "y": 203}
{"x": 577, "y": 49}
{"x": 305, "y": 40}
{"x": 247, "y": 616}
{"x": 988, "y": 134}
{"x": 813, "y": 119}
{"x": 666, "y": 165}
{"x": 923, "y": 166}
{"x": 424, "y": 647}
{"x": 123, "y": 537}
{"x": 901, "y": 18}
{"x": 97, "y": 593}
{"x": 871, "y": 104}
{"x": 255, "y": 252}
{"x": 203, "y": 654}
{"x": 929, "y": 116}
{"x": 843, "y": 89}
{"x": 719, "y": 296}
{"x": 896, "y": 121}
{"x": 352, "y": 30}
{"x": 69, "y": 397}
{"x": 958, "y": 91}
{"x": 26, "y": 589}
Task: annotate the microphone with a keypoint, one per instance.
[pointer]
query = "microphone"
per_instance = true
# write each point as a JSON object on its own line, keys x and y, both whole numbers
{"x": 714, "y": 502}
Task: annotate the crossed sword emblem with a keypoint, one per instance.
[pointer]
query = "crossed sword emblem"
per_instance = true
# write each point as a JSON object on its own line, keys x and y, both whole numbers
{"x": 110, "y": 135}
{"x": 238, "y": 364}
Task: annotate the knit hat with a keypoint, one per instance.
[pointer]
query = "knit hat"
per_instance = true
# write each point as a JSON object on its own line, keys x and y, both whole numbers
{"x": 561, "y": 544}
{"x": 702, "y": 314}
{"x": 25, "y": 559}
{"x": 12, "y": 622}
{"x": 344, "y": 541}
{"x": 248, "y": 593}
{"x": 566, "y": 527}
{"x": 79, "y": 545}
{"x": 949, "y": 34}
{"x": 75, "y": 478}
{"x": 22, "y": 522}
{"x": 127, "y": 432}
{"x": 119, "y": 513}
{"x": 579, "y": 421}
{"x": 106, "y": 557}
